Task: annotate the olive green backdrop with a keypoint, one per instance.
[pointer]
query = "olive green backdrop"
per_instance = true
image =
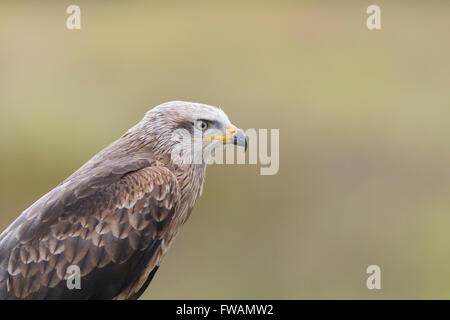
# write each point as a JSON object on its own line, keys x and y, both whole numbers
{"x": 364, "y": 119}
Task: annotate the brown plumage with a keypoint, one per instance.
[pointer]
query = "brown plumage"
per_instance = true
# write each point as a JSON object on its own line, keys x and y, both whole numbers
{"x": 117, "y": 215}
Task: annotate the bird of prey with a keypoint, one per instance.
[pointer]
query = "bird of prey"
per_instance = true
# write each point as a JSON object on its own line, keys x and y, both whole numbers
{"x": 116, "y": 216}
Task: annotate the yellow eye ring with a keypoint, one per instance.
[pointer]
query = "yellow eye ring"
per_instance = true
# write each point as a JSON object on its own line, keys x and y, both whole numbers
{"x": 202, "y": 125}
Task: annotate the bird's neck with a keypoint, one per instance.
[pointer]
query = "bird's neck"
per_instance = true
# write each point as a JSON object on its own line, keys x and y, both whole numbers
{"x": 190, "y": 175}
{"x": 191, "y": 179}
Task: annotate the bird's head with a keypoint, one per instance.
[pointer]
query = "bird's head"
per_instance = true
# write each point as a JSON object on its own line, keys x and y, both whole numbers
{"x": 189, "y": 130}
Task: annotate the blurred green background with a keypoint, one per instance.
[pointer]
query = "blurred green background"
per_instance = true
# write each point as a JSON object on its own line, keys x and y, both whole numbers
{"x": 364, "y": 119}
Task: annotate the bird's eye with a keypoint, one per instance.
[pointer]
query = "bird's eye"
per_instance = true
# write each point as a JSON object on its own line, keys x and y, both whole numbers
{"x": 202, "y": 125}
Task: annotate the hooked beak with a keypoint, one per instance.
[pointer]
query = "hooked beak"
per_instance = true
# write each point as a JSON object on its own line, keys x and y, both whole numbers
{"x": 240, "y": 139}
{"x": 234, "y": 135}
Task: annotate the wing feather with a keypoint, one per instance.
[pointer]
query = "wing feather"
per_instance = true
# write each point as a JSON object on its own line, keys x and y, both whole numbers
{"x": 111, "y": 223}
